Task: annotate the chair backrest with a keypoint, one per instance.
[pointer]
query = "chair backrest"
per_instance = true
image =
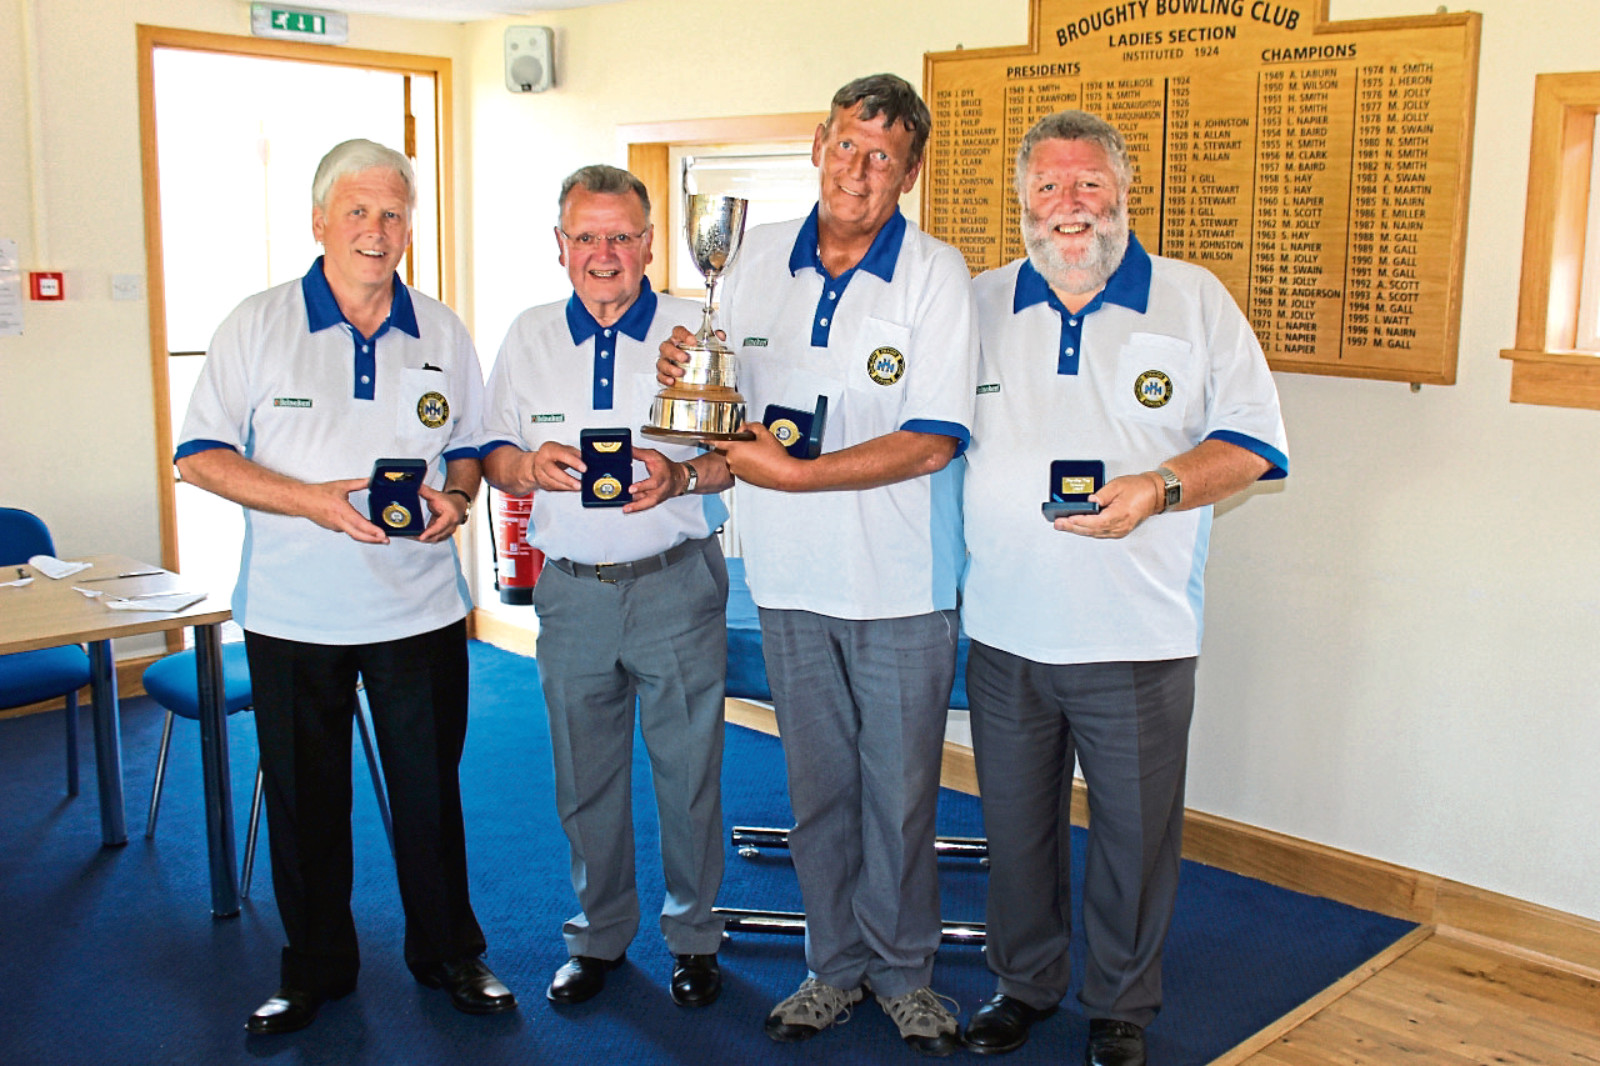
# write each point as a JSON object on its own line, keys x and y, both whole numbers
{"x": 22, "y": 536}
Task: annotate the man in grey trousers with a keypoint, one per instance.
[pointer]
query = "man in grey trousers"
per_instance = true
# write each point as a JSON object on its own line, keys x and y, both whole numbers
{"x": 631, "y": 599}
{"x": 1131, "y": 384}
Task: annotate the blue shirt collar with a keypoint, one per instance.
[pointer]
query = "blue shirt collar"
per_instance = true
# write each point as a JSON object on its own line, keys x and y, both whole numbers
{"x": 879, "y": 260}
{"x": 635, "y": 321}
{"x": 1128, "y": 285}
{"x": 322, "y": 310}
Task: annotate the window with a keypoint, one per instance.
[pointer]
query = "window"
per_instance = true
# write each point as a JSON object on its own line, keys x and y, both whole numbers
{"x": 1556, "y": 360}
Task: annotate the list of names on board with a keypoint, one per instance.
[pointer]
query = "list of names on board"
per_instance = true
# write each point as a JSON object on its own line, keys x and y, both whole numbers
{"x": 1319, "y": 169}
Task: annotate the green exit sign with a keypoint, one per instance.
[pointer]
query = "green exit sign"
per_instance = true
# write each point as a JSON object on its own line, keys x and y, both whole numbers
{"x": 299, "y": 24}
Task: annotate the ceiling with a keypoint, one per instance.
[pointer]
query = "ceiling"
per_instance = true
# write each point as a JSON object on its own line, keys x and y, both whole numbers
{"x": 446, "y": 10}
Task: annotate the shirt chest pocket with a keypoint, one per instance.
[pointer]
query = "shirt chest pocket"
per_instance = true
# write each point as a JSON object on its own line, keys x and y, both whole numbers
{"x": 1157, "y": 381}
{"x": 424, "y": 412}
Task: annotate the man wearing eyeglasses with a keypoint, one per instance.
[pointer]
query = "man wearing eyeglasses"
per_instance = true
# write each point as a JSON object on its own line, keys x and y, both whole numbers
{"x": 631, "y": 599}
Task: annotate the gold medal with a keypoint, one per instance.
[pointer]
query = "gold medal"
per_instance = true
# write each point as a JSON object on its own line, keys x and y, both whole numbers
{"x": 607, "y": 488}
{"x": 396, "y": 516}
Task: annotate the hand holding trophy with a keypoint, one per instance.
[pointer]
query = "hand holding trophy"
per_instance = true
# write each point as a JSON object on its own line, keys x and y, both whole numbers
{"x": 705, "y": 405}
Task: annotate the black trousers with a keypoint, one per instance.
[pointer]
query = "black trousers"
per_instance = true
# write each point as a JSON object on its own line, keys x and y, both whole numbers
{"x": 305, "y": 699}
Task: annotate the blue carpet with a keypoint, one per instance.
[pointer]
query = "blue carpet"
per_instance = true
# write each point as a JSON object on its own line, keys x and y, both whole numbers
{"x": 110, "y": 956}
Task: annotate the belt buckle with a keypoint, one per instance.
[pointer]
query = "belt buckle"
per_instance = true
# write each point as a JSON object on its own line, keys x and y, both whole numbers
{"x": 598, "y": 567}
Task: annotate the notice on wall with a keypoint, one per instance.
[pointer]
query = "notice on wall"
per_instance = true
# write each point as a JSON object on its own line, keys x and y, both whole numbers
{"x": 10, "y": 289}
{"x": 1320, "y": 169}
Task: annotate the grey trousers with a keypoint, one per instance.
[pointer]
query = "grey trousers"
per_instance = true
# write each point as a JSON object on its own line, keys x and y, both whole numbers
{"x": 861, "y": 707}
{"x": 662, "y": 639}
{"x": 1128, "y": 725}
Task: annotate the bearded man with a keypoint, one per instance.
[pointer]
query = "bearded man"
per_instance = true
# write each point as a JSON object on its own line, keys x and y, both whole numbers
{"x": 1085, "y": 629}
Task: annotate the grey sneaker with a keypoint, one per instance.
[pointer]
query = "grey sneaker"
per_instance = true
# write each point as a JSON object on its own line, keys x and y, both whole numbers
{"x": 924, "y": 1022}
{"x": 813, "y": 1007}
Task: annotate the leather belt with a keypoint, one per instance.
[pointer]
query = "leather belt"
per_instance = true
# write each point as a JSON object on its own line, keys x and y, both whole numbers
{"x": 611, "y": 573}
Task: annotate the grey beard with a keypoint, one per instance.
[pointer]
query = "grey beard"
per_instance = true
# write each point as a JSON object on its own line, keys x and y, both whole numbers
{"x": 1088, "y": 274}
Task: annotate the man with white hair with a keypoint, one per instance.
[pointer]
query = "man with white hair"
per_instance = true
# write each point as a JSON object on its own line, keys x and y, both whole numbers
{"x": 304, "y": 388}
{"x": 1085, "y": 629}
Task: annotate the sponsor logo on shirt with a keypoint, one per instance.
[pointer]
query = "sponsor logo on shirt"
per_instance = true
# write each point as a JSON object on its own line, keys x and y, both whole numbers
{"x": 1153, "y": 388}
{"x": 755, "y": 342}
{"x": 993, "y": 386}
{"x": 886, "y": 365}
{"x": 290, "y": 401}
{"x": 550, "y": 418}
{"x": 433, "y": 410}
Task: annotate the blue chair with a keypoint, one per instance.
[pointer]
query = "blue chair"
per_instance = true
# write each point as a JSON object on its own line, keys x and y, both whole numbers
{"x": 173, "y": 684}
{"x": 49, "y": 673}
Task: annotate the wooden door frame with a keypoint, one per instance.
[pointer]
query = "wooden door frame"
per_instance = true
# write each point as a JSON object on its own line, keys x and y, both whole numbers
{"x": 152, "y": 37}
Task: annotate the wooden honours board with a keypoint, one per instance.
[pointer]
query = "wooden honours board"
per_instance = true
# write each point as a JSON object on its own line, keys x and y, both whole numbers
{"x": 1319, "y": 169}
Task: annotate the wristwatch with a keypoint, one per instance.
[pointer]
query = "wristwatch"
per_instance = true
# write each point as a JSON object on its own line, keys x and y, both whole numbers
{"x": 694, "y": 479}
{"x": 465, "y": 496}
{"x": 1174, "y": 489}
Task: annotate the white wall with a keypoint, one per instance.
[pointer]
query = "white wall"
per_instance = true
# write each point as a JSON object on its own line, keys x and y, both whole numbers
{"x": 1401, "y": 647}
{"x": 1401, "y": 641}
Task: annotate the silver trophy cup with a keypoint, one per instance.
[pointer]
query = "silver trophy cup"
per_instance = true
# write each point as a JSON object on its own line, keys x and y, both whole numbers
{"x": 705, "y": 404}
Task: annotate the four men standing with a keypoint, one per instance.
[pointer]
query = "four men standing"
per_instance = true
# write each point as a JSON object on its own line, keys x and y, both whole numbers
{"x": 1084, "y": 630}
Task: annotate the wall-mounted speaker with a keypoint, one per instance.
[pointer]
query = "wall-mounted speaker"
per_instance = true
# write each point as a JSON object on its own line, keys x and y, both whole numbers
{"x": 530, "y": 59}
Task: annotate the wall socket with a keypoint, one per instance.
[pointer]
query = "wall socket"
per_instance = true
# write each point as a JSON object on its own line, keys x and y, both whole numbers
{"x": 127, "y": 286}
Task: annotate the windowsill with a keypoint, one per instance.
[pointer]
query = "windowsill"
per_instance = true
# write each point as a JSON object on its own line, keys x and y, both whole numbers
{"x": 1557, "y": 379}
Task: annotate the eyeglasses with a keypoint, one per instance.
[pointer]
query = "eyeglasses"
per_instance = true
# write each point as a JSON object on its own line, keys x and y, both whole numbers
{"x": 620, "y": 242}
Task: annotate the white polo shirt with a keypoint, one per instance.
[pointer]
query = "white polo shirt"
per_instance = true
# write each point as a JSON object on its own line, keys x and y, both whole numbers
{"x": 1159, "y": 361}
{"x": 560, "y": 372}
{"x": 892, "y": 344}
{"x": 291, "y": 385}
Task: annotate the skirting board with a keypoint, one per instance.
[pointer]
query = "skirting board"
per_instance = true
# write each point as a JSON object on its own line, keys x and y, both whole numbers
{"x": 1529, "y": 930}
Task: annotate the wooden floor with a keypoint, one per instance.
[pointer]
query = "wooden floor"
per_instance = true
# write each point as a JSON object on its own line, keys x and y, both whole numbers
{"x": 1444, "y": 1000}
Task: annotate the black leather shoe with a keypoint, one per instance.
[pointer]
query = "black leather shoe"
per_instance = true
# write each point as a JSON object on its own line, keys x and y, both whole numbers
{"x": 289, "y": 1010}
{"x": 1114, "y": 1043}
{"x": 1001, "y": 1025}
{"x": 472, "y": 987}
{"x": 581, "y": 978}
{"x": 696, "y": 980}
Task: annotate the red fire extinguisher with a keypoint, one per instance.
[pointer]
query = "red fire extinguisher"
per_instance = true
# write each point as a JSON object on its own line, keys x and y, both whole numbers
{"x": 516, "y": 564}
